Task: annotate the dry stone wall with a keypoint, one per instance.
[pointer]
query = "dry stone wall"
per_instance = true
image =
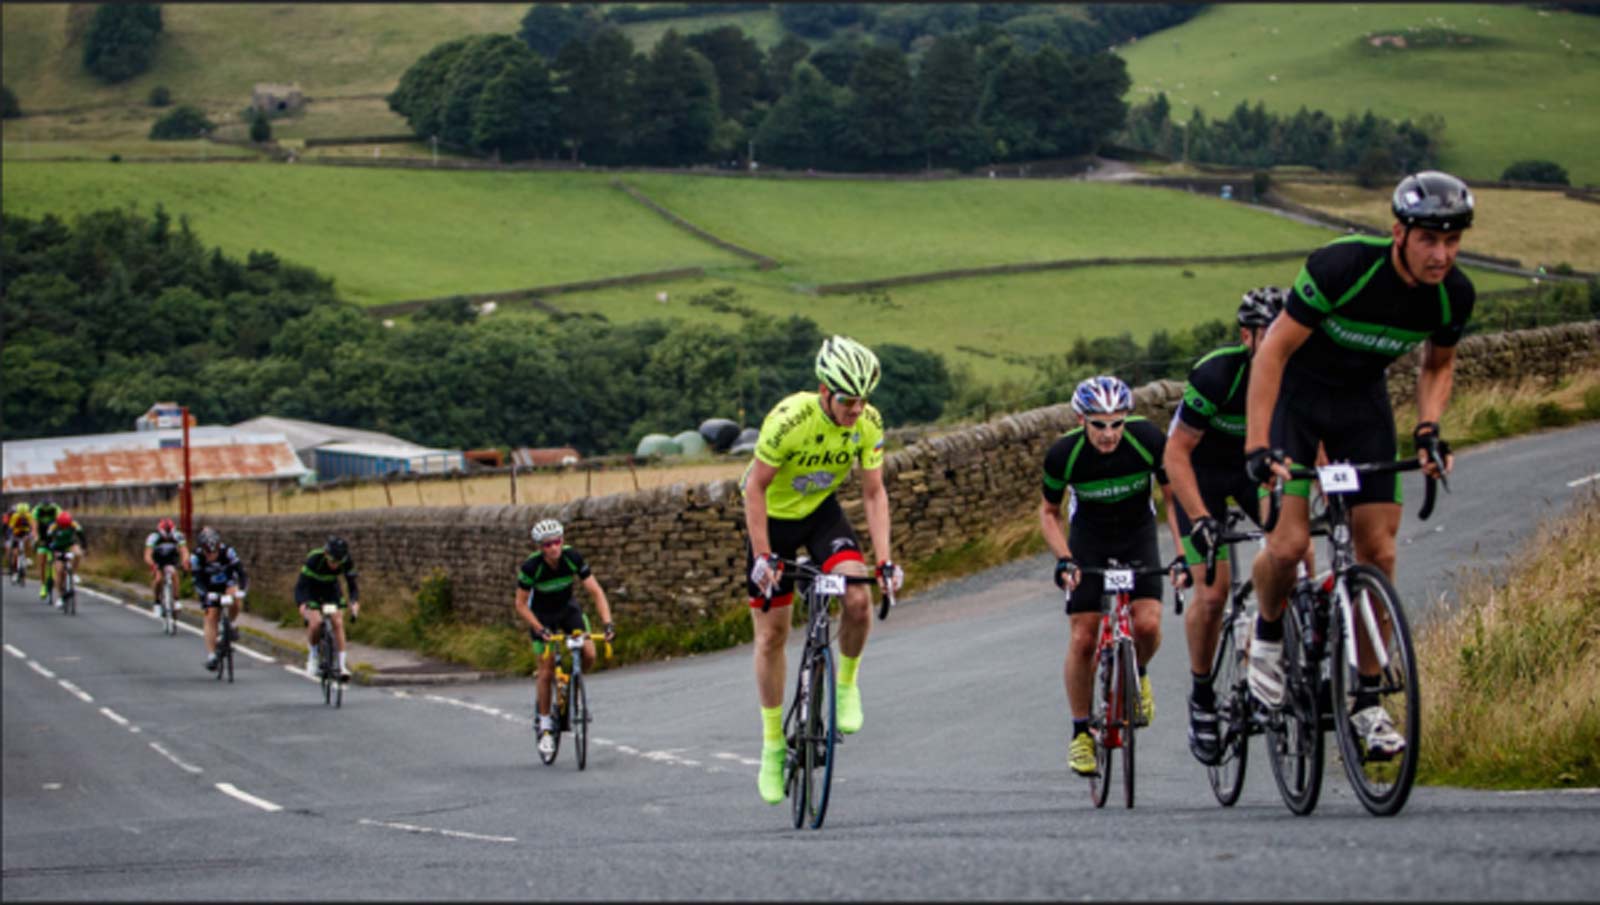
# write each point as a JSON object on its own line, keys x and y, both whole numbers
{"x": 675, "y": 554}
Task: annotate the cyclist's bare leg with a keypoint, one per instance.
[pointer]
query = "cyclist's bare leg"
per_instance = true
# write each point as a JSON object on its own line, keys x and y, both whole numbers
{"x": 234, "y": 599}
{"x": 1146, "y": 628}
{"x": 1078, "y": 672}
{"x": 855, "y": 621}
{"x": 338, "y": 631}
{"x": 772, "y": 632}
{"x": 1375, "y": 526}
{"x": 588, "y": 654}
{"x": 313, "y": 619}
{"x": 1202, "y": 619}
{"x": 1274, "y": 566}
{"x": 212, "y": 614}
{"x": 543, "y": 678}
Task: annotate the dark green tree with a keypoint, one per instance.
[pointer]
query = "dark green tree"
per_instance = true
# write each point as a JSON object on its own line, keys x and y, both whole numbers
{"x": 9, "y": 108}
{"x": 739, "y": 64}
{"x": 260, "y": 129}
{"x": 803, "y": 127}
{"x": 420, "y": 95}
{"x": 1545, "y": 171}
{"x": 182, "y": 122}
{"x": 838, "y": 58}
{"x": 598, "y": 89}
{"x": 779, "y": 71}
{"x": 948, "y": 92}
{"x": 121, "y": 40}
{"x": 160, "y": 96}
{"x": 516, "y": 114}
{"x": 677, "y": 114}
{"x": 881, "y": 127}
{"x": 548, "y": 27}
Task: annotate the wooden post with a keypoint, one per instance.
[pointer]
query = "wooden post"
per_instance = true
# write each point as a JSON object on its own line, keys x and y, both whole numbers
{"x": 461, "y": 486}
{"x": 513, "y": 483}
{"x": 269, "y": 497}
{"x": 418, "y": 485}
{"x": 634, "y": 473}
{"x": 588, "y": 482}
{"x": 386, "y": 494}
{"x": 352, "y": 493}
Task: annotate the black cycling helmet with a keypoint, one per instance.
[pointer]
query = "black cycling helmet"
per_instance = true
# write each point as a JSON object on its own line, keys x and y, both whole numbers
{"x": 209, "y": 538}
{"x": 1433, "y": 200}
{"x": 336, "y": 547}
{"x": 1261, "y": 305}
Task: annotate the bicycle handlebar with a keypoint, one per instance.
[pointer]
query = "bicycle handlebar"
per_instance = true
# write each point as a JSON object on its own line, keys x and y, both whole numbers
{"x": 1140, "y": 572}
{"x": 1429, "y": 489}
{"x": 809, "y": 572}
{"x": 557, "y": 637}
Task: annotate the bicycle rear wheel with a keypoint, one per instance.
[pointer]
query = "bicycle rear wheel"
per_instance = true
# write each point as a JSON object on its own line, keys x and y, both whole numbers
{"x": 818, "y": 730}
{"x": 1228, "y": 679}
{"x": 1382, "y": 784}
{"x": 169, "y": 619}
{"x": 1131, "y": 701}
{"x": 1294, "y": 731}
{"x": 578, "y": 716}
{"x": 325, "y": 666}
{"x": 69, "y": 594}
{"x": 1103, "y": 710}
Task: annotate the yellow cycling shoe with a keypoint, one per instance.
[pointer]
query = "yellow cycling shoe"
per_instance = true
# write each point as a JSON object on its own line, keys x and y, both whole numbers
{"x": 1147, "y": 702}
{"x": 770, "y": 779}
{"x": 1080, "y": 755}
{"x": 850, "y": 715}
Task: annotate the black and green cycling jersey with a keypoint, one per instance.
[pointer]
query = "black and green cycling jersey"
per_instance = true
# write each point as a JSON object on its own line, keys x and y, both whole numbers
{"x": 1214, "y": 404}
{"x": 550, "y": 586}
{"x": 64, "y": 538}
{"x": 1362, "y": 314}
{"x": 812, "y": 454}
{"x": 317, "y": 572}
{"x": 1110, "y": 492}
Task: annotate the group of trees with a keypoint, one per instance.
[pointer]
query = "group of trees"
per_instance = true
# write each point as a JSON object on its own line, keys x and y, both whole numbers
{"x": 118, "y": 310}
{"x": 1373, "y": 147}
{"x": 911, "y": 26}
{"x": 974, "y": 97}
{"x": 121, "y": 40}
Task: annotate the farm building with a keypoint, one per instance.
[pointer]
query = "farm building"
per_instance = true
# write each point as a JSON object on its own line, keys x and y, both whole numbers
{"x": 334, "y": 451}
{"x": 273, "y": 99}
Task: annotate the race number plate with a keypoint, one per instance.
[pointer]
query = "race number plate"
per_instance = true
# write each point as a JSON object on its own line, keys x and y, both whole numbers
{"x": 1119, "y": 580}
{"x": 328, "y": 609}
{"x": 1339, "y": 478}
{"x": 831, "y": 584}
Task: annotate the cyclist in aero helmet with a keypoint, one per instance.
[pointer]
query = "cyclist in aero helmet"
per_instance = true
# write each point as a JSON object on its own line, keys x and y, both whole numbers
{"x": 808, "y": 443}
{"x": 1205, "y": 462}
{"x": 544, "y": 601}
{"x": 217, "y": 568}
{"x": 1319, "y": 376}
{"x": 1104, "y": 466}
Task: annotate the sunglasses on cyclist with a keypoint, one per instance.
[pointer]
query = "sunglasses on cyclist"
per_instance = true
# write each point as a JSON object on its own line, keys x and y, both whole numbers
{"x": 1107, "y": 425}
{"x": 554, "y": 542}
{"x": 847, "y": 401}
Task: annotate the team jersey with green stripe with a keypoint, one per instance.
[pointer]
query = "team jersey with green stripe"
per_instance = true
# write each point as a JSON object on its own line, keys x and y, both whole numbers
{"x": 317, "y": 571}
{"x": 1110, "y": 491}
{"x": 1213, "y": 403}
{"x": 550, "y": 586}
{"x": 1363, "y": 316}
{"x": 812, "y": 454}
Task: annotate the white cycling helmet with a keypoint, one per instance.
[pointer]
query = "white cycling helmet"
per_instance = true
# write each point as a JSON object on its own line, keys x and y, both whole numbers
{"x": 846, "y": 366}
{"x": 545, "y": 529}
{"x": 1102, "y": 395}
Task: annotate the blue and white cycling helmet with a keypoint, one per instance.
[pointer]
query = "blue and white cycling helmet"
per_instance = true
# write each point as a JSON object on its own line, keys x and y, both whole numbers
{"x": 1101, "y": 396}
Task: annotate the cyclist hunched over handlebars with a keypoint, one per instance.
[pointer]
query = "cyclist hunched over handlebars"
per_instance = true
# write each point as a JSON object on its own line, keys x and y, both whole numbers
{"x": 219, "y": 579}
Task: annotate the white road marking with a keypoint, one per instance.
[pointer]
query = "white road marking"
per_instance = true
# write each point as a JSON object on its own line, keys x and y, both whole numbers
{"x": 52, "y": 786}
{"x": 16, "y": 653}
{"x": 175, "y": 759}
{"x": 250, "y": 653}
{"x": 115, "y": 717}
{"x": 228, "y": 788}
{"x": 1582, "y": 481}
{"x": 747, "y": 761}
{"x": 413, "y": 828}
{"x": 480, "y": 708}
{"x": 76, "y": 691}
{"x": 34, "y": 665}
{"x": 1585, "y": 791}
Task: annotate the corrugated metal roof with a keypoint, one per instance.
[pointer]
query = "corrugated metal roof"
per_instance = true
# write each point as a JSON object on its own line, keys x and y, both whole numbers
{"x": 305, "y": 435}
{"x": 139, "y": 458}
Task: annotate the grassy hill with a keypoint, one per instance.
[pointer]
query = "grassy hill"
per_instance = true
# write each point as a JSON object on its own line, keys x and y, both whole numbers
{"x": 1510, "y": 81}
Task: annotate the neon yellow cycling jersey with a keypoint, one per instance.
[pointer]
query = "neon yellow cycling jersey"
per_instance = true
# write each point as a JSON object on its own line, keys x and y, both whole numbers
{"x": 811, "y": 453}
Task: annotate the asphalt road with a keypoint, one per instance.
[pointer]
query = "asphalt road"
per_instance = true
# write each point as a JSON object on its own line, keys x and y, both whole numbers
{"x": 129, "y": 773}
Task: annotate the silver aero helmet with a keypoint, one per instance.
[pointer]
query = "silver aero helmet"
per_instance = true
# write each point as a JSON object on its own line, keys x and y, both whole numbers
{"x": 1261, "y": 305}
{"x": 846, "y": 366}
{"x": 1433, "y": 200}
{"x": 1101, "y": 396}
{"x": 545, "y": 529}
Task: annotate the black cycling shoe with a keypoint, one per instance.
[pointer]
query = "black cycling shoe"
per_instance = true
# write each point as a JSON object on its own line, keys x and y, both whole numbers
{"x": 1203, "y": 741}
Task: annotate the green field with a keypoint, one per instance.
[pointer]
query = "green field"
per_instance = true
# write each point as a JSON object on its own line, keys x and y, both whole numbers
{"x": 386, "y": 235}
{"x": 830, "y": 231}
{"x": 1525, "y": 87}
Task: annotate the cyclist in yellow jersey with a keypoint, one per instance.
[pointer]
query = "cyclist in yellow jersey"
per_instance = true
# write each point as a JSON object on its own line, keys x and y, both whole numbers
{"x": 808, "y": 444}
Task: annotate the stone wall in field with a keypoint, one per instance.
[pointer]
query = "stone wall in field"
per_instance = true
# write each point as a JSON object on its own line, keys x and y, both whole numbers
{"x": 676, "y": 553}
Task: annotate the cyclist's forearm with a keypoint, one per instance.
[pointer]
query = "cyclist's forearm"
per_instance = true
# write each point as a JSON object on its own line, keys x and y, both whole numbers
{"x": 1435, "y": 380}
{"x": 1050, "y": 526}
{"x": 755, "y": 520}
{"x": 878, "y": 522}
{"x": 1172, "y": 518}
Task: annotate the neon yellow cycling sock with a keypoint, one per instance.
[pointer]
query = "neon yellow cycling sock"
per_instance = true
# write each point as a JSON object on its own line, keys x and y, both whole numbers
{"x": 772, "y": 727}
{"x": 847, "y": 669}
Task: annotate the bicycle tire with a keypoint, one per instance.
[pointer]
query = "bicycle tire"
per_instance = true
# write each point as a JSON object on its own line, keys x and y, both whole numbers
{"x": 325, "y": 668}
{"x": 1295, "y": 744}
{"x": 338, "y": 695}
{"x": 1382, "y": 786}
{"x": 1132, "y": 700}
{"x": 69, "y": 594}
{"x": 230, "y": 663}
{"x": 578, "y": 716}
{"x": 1102, "y": 707}
{"x": 1228, "y": 679}
{"x": 823, "y": 733}
{"x": 169, "y": 619}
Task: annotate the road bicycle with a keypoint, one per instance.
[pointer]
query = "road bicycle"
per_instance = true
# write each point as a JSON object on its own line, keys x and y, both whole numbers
{"x": 328, "y": 673}
{"x": 1345, "y": 618}
{"x": 1114, "y": 715}
{"x": 16, "y": 549}
{"x": 225, "y": 631}
{"x": 571, "y": 708}
{"x": 167, "y": 600}
{"x": 810, "y": 725}
{"x": 64, "y": 587}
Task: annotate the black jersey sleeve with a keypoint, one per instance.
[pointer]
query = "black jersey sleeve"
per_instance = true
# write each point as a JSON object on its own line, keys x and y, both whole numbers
{"x": 236, "y": 569}
{"x": 1205, "y": 391}
{"x": 1322, "y": 281}
{"x": 1056, "y": 460}
{"x": 528, "y": 573}
{"x": 1459, "y": 295}
{"x": 350, "y": 577}
{"x": 580, "y": 567}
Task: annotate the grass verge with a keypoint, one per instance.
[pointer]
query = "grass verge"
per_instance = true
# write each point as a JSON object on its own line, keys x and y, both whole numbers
{"x": 1508, "y": 410}
{"x": 1511, "y": 683}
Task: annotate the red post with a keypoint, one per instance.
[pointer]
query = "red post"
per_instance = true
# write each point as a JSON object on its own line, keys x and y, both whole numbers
{"x": 186, "y": 496}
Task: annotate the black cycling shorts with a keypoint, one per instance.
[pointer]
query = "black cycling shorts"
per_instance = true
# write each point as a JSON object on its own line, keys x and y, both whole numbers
{"x": 1217, "y": 484}
{"x": 825, "y": 533}
{"x": 565, "y": 620}
{"x": 309, "y": 593}
{"x": 170, "y": 559}
{"x": 1354, "y": 424}
{"x": 1095, "y": 549}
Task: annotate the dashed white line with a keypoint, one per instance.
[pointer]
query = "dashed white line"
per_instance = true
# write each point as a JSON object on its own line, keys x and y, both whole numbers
{"x": 250, "y": 653}
{"x": 16, "y": 653}
{"x": 228, "y": 788}
{"x": 175, "y": 759}
{"x": 1581, "y": 481}
{"x": 115, "y": 717}
{"x": 34, "y": 665}
{"x": 413, "y": 828}
{"x": 77, "y": 692}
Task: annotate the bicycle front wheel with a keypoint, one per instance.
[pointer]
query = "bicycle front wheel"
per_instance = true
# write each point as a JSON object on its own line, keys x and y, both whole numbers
{"x": 69, "y": 594}
{"x": 1103, "y": 717}
{"x": 1294, "y": 731}
{"x": 578, "y": 716}
{"x": 818, "y": 731}
{"x": 1132, "y": 699}
{"x": 1381, "y": 780}
{"x": 1232, "y": 688}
